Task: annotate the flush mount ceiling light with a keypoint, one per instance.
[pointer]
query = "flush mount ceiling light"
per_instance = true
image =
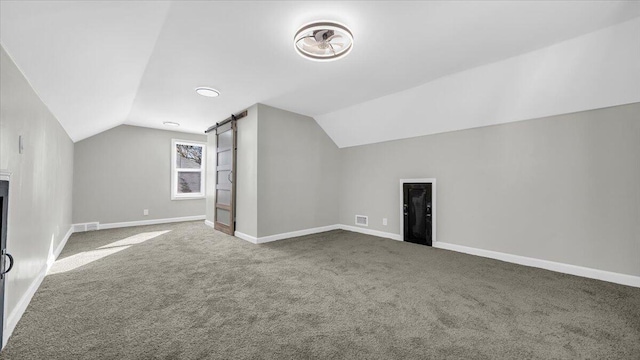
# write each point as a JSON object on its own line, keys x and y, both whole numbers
{"x": 171, "y": 123}
{"x": 207, "y": 91}
{"x": 323, "y": 41}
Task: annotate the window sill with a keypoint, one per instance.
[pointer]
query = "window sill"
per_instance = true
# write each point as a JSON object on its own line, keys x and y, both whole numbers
{"x": 199, "y": 197}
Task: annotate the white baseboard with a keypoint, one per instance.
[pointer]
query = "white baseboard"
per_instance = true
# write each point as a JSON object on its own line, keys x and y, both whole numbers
{"x": 282, "y": 236}
{"x": 21, "y": 307}
{"x": 617, "y": 278}
{"x": 58, "y": 250}
{"x": 624, "y": 279}
{"x": 371, "y": 232}
{"x": 292, "y": 234}
{"x": 15, "y": 316}
{"x": 210, "y": 224}
{"x": 243, "y": 236}
{"x": 149, "y": 222}
{"x": 613, "y": 277}
{"x": 276, "y": 237}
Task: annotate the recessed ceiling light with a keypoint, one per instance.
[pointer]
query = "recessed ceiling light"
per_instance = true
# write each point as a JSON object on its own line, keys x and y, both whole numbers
{"x": 171, "y": 123}
{"x": 323, "y": 41}
{"x": 208, "y": 92}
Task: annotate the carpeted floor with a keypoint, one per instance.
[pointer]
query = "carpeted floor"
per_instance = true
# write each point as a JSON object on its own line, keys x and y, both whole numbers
{"x": 194, "y": 293}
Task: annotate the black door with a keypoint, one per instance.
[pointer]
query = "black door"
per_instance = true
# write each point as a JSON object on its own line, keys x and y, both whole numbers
{"x": 417, "y": 213}
{"x": 4, "y": 203}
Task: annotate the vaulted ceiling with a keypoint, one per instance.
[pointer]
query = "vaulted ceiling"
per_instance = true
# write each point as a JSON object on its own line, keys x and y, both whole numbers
{"x": 99, "y": 64}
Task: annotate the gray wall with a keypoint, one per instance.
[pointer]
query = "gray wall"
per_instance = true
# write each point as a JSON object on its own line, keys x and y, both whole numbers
{"x": 41, "y": 180}
{"x": 298, "y": 168}
{"x": 287, "y": 174}
{"x": 122, "y": 171}
{"x": 563, "y": 188}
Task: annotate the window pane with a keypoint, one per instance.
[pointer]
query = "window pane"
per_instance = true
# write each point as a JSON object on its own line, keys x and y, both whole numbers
{"x": 188, "y": 182}
{"x": 188, "y": 156}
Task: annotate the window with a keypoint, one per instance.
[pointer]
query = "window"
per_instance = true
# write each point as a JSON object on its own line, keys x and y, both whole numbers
{"x": 187, "y": 169}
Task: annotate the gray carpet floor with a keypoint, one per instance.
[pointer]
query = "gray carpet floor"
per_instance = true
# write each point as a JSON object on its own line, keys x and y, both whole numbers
{"x": 194, "y": 293}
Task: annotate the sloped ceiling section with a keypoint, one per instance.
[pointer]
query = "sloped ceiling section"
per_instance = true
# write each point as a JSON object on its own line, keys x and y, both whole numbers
{"x": 84, "y": 59}
{"x": 98, "y": 64}
{"x": 596, "y": 70}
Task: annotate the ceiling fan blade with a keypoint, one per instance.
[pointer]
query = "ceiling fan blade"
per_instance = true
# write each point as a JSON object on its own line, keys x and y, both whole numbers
{"x": 304, "y": 38}
{"x": 338, "y": 44}
{"x": 310, "y": 41}
{"x": 336, "y": 36}
{"x": 332, "y": 49}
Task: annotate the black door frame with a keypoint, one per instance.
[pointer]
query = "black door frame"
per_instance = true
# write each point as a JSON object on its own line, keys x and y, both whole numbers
{"x": 434, "y": 207}
{"x": 4, "y": 208}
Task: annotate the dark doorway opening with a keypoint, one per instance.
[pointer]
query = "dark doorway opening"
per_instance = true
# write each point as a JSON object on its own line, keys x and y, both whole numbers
{"x": 418, "y": 213}
{"x": 4, "y": 269}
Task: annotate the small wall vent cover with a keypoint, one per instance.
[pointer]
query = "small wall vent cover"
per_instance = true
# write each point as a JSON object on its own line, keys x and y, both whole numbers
{"x": 86, "y": 227}
{"x": 92, "y": 226}
{"x": 362, "y": 220}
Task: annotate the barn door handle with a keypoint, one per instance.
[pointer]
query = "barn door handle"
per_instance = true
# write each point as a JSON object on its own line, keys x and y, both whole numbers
{"x": 406, "y": 213}
{"x": 5, "y": 253}
{"x": 229, "y": 177}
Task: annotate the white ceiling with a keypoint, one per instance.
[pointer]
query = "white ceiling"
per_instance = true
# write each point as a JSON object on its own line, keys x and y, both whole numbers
{"x": 84, "y": 60}
{"x": 100, "y": 64}
{"x": 596, "y": 70}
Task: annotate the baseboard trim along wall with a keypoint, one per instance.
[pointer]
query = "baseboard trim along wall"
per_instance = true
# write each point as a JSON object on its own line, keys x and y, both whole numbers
{"x": 292, "y": 234}
{"x": 276, "y": 237}
{"x": 603, "y": 275}
{"x": 148, "y": 222}
{"x": 16, "y": 314}
{"x": 586, "y": 272}
{"x": 371, "y": 232}
{"x": 243, "y": 236}
{"x": 60, "y": 247}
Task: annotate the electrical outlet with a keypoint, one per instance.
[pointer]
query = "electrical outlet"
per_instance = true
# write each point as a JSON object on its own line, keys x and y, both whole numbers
{"x": 384, "y": 221}
{"x": 145, "y": 212}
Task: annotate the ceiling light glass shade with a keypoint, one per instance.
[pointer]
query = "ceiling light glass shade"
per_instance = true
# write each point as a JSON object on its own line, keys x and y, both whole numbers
{"x": 170, "y": 123}
{"x": 208, "y": 92}
{"x": 323, "y": 41}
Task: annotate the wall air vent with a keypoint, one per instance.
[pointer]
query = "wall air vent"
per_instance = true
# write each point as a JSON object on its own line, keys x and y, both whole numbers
{"x": 86, "y": 227}
{"x": 92, "y": 226}
{"x": 362, "y": 220}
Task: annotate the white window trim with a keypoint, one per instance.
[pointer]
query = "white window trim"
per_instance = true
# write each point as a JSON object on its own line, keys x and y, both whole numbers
{"x": 174, "y": 171}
